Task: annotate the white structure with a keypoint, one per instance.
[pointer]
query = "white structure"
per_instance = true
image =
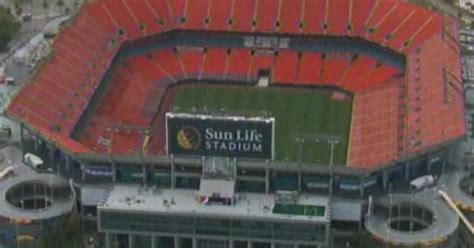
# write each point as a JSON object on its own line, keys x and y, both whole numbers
{"x": 466, "y": 3}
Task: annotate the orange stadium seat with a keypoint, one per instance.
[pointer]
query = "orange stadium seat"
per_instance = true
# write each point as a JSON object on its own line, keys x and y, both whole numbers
{"x": 416, "y": 19}
{"x": 219, "y": 15}
{"x": 54, "y": 100}
{"x": 314, "y": 16}
{"x": 337, "y": 17}
{"x": 309, "y": 71}
{"x": 74, "y": 102}
{"x": 213, "y": 66}
{"x": 100, "y": 14}
{"x": 360, "y": 13}
{"x": 196, "y": 14}
{"x": 101, "y": 57}
{"x": 260, "y": 61}
{"x": 122, "y": 17}
{"x": 168, "y": 61}
{"x": 374, "y": 126}
{"x": 290, "y": 16}
{"x": 380, "y": 11}
{"x": 143, "y": 12}
{"x": 334, "y": 65}
{"x": 91, "y": 31}
{"x": 377, "y": 75}
{"x": 425, "y": 31}
{"x": 285, "y": 68}
{"x": 242, "y": 15}
{"x": 164, "y": 12}
{"x": 360, "y": 66}
{"x": 179, "y": 10}
{"x": 192, "y": 61}
{"x": 266, "y": 16}
{"x": 153, "y": 69}
{"x": 238, "y": 64}
{"x": 383, "y": 30}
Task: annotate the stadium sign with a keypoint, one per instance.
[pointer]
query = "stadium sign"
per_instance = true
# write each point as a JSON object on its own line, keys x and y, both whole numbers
{"x": 206, "y": 135}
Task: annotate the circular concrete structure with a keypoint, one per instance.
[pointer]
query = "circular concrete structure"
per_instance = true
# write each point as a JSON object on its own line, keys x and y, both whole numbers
{"x": 460, "y": 187}
{"x": 409, "y": 217}
{"x": 30, "y": 196}
{"x": 29, "y": 201}
{"x": 409, "y": 220}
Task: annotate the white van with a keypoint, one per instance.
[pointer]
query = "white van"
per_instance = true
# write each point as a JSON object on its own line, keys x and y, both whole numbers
{"x": 422, "y": 182}
{"x": 10, "y": 81}
{"x": 32, "y": 160}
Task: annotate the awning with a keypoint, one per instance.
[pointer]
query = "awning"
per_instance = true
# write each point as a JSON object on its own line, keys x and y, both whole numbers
{"x": 217, "y": 188}
{"x": 346, "y": 210}
{"x": 91, "y": 196}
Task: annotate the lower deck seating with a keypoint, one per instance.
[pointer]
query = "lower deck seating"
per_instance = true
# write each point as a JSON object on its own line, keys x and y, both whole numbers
{"x": 214, "y": 63}
{"x": 124, "y": 109}
{"x": 433, "y": 94}
{"x": 374, "y": 134}
{"x": 238, "y": 64}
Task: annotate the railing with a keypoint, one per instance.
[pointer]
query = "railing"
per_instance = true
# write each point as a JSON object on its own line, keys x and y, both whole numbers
{"x": 463, "y": 218}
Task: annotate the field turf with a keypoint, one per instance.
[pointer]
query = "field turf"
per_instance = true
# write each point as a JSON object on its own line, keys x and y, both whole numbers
{"x": 297, "y": 111}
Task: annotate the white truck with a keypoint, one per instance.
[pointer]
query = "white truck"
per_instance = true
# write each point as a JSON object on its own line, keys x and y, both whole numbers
{"x": 32, "y": 160}
{"x": 422, "y": 182}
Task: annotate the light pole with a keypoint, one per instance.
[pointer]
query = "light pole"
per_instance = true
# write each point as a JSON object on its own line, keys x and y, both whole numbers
{"x": 333, "y": 140}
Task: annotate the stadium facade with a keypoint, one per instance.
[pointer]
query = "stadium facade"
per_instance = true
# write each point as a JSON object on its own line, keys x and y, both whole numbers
{"x": 103, "y": 104}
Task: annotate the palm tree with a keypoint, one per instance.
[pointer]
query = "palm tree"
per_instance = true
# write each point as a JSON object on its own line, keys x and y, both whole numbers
{"x": 46, "y": 8}
{"x": 18, "y": 9}
{"x": 60, "y": 4}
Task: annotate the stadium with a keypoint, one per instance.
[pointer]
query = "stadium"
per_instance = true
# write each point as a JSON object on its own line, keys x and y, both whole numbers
{"x": 271, "y": 95}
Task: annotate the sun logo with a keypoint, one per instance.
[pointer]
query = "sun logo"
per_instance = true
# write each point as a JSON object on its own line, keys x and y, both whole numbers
{"x": 188, "y": 138}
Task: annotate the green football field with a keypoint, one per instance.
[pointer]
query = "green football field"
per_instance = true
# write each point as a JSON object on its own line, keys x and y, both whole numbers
{"x": 297, "y": 112}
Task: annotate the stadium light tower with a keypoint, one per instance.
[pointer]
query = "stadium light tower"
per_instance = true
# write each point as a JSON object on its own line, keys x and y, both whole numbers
{"x": 333, "y": 140}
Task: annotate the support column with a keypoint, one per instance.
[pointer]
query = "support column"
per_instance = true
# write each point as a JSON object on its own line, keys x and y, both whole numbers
{"x": 231, "y": 243}
{"x": 385, "y": 179}
{"x": 249, "y": 244}
{"x": 173, "y": 176}
{"x": 267, "y": 179}
{"x": 107, "y": 240}
{"x": 130, "y": 241}
{"x": 407, "y": 171}
{"x": 361, "y": 187}
{"x": 35, "y": 143}
{"x": 176, "y": 242}
{"x": 114, "y": 172}
{"x": 194, "y": 243}
{"x": 68, "y": 162}
{"x": 144, "y": 174}
{"x": 153, "y": 242}
{"x": 51, "y": 148}
{"x": 22, "y": 137}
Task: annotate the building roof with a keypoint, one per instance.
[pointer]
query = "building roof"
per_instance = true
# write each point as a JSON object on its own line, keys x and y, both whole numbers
{"x": 185, "y": 202}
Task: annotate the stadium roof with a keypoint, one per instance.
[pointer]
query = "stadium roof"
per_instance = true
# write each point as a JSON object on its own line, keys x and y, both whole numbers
{"x": 393, "y": 117}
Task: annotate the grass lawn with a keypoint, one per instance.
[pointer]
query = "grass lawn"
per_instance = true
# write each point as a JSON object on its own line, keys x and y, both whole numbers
{"x": 297, "y": 111}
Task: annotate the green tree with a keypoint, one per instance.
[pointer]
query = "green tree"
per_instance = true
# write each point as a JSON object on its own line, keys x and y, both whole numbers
{"x": 67, "y": 233}
{"x": 60, "y": 4}
{"x": 45, "y": 6}
{"x": 8, "y": 28}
